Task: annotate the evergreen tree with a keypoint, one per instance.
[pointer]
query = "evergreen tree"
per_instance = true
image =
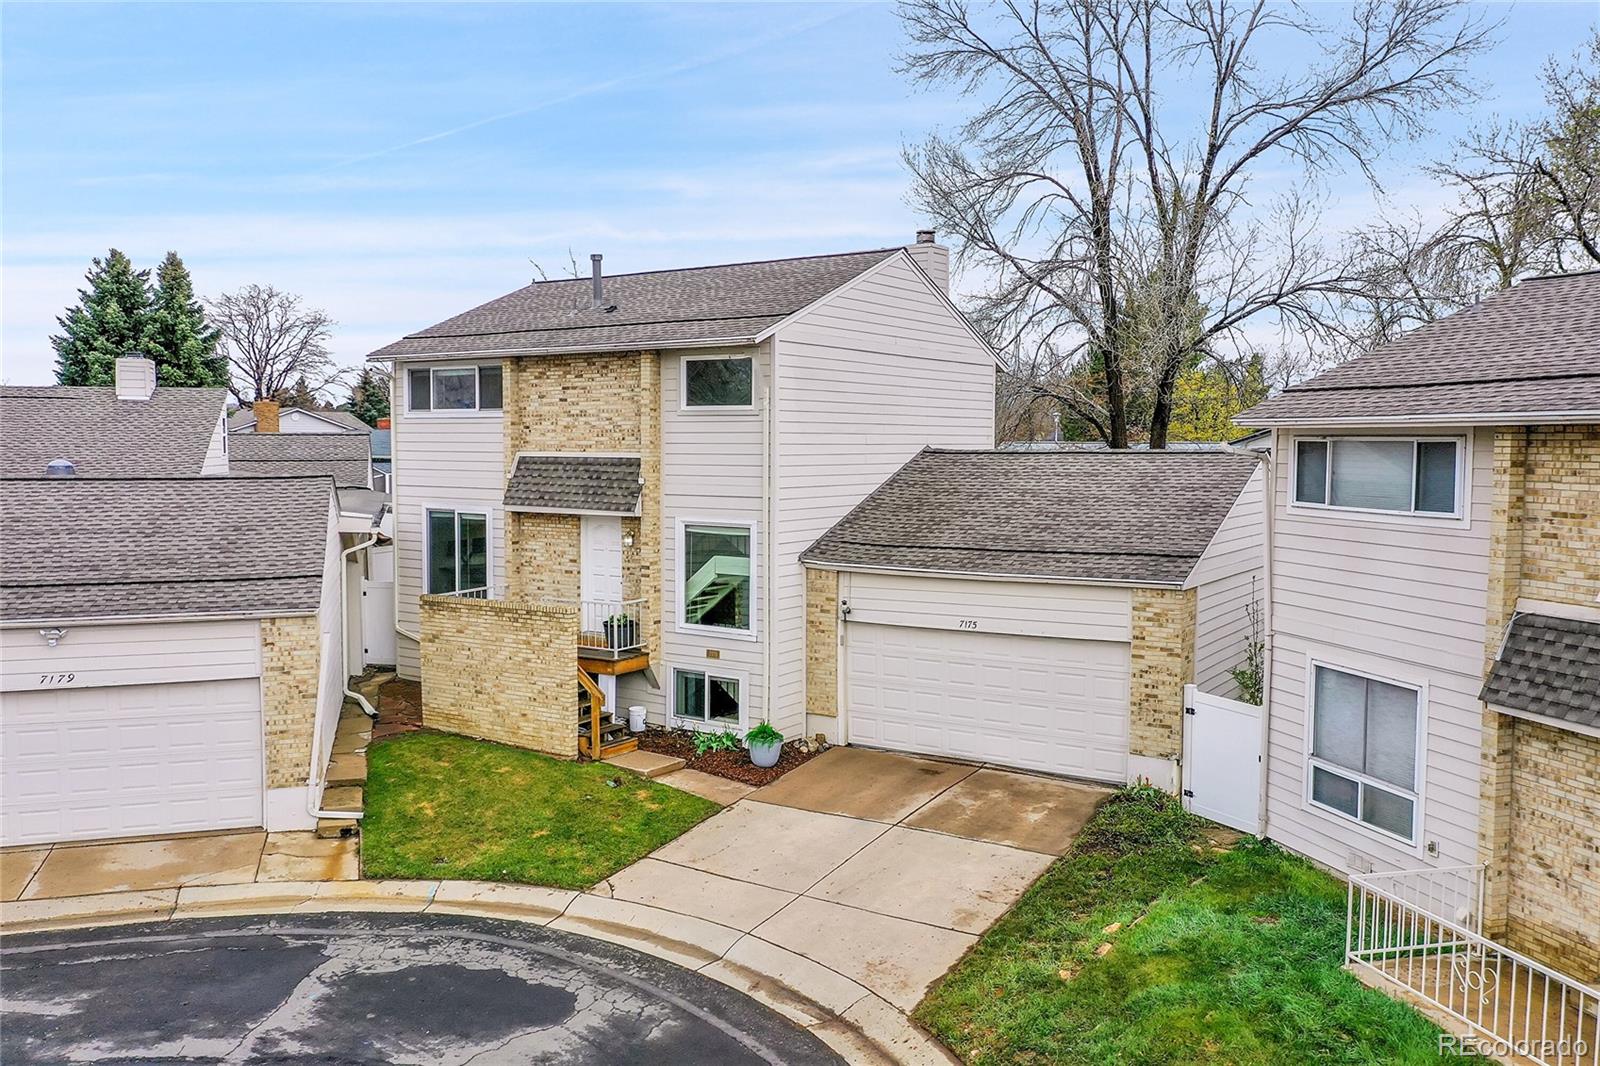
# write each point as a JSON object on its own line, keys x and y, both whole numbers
{"x": 108, "y": 321}
{"x": 300, "y": 395}
{"x": 369, "y": 396}
{"x": 177, "y": 336}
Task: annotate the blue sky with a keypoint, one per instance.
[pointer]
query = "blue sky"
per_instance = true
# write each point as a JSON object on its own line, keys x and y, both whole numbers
{"x": 398, "y": 164}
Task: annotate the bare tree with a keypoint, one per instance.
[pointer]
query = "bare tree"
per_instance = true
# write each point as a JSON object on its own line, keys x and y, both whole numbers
{"x": 1123, "y": 239}
{"x": 274, "y": 343}
{"x": 1570, "y": 162}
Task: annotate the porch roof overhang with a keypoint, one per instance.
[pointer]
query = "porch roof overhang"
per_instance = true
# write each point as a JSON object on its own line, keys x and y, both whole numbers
{"x": 1548, "y": 668}
{"x": 582, "y": 484}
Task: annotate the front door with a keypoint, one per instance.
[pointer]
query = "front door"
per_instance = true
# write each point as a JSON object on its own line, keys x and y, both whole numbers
{"x": 600, "y": 572}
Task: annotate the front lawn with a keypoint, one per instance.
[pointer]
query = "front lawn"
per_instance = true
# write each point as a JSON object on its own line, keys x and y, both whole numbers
{"x": 1220, "y": 957}
{"x": 445, "y": 806}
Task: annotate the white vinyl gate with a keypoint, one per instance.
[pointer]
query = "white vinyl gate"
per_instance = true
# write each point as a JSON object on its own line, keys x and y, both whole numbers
{"x": 1222, "y": 759}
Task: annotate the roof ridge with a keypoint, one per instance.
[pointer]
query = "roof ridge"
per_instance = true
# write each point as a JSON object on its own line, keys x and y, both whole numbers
{"x": 426, "y": 336}
{"x": 1309, "y": 386}
{"x": 719, "y": 266}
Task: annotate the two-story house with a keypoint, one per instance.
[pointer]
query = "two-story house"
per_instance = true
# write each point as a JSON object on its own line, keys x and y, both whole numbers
{"x": 607, "y": 482}
{"x": 1433, "y": 619}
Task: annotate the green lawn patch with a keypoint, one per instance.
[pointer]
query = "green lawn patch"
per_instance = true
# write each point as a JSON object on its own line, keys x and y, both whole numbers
{"x": 446, "y": 806}
{"x": 1235, "y": 958}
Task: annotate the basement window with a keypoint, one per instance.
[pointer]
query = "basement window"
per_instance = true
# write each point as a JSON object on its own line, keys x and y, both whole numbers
{"x": 705, "y": 698}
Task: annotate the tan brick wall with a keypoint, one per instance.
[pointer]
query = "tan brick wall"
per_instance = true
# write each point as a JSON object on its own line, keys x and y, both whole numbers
{"x": 1163, "y": 662}
{"x": 501, "y": 671}
{"x": 542, "y": 557}
{"x": 822, "y": 643}
{"x": 291, "y": 651}
{"x": 1539, "y": 833}
{"x": 1554, "y": 892}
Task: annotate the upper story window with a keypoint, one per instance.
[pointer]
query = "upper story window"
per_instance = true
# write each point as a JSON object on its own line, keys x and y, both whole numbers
{"x": 711, "y": 381}
{"x": 1400, "y": 474}
{"x": 454, "y": 388}
{"x": 457, "y": 551}
{"x": 1364, "y": 749}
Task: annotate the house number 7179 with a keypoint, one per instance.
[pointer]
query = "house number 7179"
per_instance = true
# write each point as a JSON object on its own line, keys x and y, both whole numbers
{"x": 56, "y": 679}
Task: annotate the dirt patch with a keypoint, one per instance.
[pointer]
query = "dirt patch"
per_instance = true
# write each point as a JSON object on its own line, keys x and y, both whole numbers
{"x": 733, "y": 765}
{"x": 399, "y": 706}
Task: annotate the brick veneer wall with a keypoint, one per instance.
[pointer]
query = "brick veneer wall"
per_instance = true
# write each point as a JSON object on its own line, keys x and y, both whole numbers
{"x": 822, "y": 643}
{"x": 501, "y": 671}
{"x": 1539, "y": 834}
{"x": 1162, "y": 662}
{"x": 291, "y": 652}
{"x": 542, "y": 557}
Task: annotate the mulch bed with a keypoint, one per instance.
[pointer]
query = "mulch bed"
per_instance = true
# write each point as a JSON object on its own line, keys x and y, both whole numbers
{"x": 733, "y": 765}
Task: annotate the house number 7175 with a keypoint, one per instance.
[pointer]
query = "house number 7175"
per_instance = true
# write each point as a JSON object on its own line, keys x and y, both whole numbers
{"x": 57, "y": 679}
{"x": 966, "y": 623}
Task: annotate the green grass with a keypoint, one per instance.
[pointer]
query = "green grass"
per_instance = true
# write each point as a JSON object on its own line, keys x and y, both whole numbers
{"x": 1236, "y": 959}
{"x": 444, "y": 806}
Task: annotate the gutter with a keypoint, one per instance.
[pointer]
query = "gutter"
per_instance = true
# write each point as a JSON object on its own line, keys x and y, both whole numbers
{"x": 1468, "y": 418}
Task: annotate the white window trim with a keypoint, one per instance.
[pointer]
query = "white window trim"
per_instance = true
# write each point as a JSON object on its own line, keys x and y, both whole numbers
{"x": 459, "y": 508}
{"x": 1460, "y": 517}
{"x": 1416, "y": 843}
{"x": 714, "y": 408}
{"x": 678, "y": 623}
{"x": 472, "y": 412}
{"x": 702, "y": 724}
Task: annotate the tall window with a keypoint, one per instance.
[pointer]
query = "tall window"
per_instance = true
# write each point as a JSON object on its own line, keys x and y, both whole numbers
{"x": 1382, "y": 474}
{"x": 703, "y": 697}
{"x": 458, "y": 551}
{"x": 714, "y": 382}
{"x": 715, "y": 576}
{"x": 1364, "y": 750}
{"x": 454, "y": 388}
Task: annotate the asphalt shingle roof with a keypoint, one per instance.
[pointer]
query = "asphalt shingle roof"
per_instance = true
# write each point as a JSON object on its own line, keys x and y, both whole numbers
{"x": 164, "y": 436}
{"x": 1137, "y": 517}
{"x": 659, "y": 309}
{"x": 1549, "y": 667}
{"x": 575, "y": 483}
{"x": 342, "y": 456}
{"x": 79, "y": 548}
{"x": 1531, "y": 350}
{"x": 245, "y": 418}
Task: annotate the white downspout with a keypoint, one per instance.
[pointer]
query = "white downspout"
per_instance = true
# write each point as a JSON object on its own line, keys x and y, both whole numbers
{"x": 769, "y": 534}
{"x": 317, "y": 774}
{"x": 1269, "y": 497}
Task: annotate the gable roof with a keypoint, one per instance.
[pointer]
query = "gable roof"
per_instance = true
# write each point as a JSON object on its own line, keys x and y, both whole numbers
{"x": 244, "y": 418}
{"x": 80, "y": 548}
{"x": 1127, "y": 517}
{"x": 1528, "y": 353}
{"x": 712, "y": 305}
{"x": 575, "y": 484}
{"x": 1549, "y": 667}
{"x": 341, "y": 456}
{"x": 166, "y": 435}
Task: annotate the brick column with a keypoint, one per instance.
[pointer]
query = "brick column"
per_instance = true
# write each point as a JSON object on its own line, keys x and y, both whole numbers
{"x": 291, "y": 654}
{"x": 822, "y": 643}
{"x": 1162, "y": 663}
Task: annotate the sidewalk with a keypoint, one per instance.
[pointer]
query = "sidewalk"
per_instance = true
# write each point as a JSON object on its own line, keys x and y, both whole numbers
{"x": 858, "y": 1024}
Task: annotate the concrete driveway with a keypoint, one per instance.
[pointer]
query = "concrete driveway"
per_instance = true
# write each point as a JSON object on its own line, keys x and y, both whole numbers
{"x": 372, "y": 988}
{"x": 882, "y": 868}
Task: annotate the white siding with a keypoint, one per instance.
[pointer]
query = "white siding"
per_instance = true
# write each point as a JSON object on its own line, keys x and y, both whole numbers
{"x": 143, "y": 653}
{"x": 1026, "y": 608}
{"x": 1396, "y": 597}
{"x": 712, "y": 469}
{"x": 440, "y": 460}
{"x": 1229, "y": 578}
{"x": 866, "y": 379}
{"x": 216, "y": 460}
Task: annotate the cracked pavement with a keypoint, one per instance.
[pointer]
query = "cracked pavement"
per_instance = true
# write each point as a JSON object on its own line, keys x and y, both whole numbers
{"x": 359, "y": 988}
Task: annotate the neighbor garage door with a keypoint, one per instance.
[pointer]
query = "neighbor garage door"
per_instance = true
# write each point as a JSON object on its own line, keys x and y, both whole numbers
{"x": 130, "y": 760}
{"x": 1042, "y": 703}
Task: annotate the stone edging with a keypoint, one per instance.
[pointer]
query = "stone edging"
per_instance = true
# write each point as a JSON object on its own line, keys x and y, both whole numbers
{"x": 858, "y": 1024}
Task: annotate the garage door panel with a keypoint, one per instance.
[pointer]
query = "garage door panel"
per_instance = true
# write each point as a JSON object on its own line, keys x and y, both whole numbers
{"x": 1041, "y": 703}
{"x": 131, "y": 760}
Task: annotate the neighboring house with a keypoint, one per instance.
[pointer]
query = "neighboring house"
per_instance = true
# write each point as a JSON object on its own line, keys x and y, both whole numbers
{"x": 171, "y": 653}
{"x": 621, "y": 472}
{"x": 1434, "y": 613}
{"x": 1036, "y": 609}
{"x": 341, "y": 456}
{"x": 382, "y": 457}
{"x": 267, "y": 416}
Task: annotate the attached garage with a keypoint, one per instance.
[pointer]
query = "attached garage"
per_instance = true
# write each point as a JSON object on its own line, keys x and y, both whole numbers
{"x": 1033, "y": 610}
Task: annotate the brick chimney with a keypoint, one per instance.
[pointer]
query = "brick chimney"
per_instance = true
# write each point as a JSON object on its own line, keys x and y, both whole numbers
{"x": 383, "y": 423}
{"x": 136, "y": 377}
{"x": 266, "y": 412}
{"x": 932, "y": 257}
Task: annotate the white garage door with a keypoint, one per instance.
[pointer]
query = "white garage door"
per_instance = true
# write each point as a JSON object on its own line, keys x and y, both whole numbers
{"x": 1042, "y": 703}
{"x": 130, "y": 760}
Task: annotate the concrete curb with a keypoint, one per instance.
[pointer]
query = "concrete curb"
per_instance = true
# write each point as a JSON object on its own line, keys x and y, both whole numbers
{"x": 857, "y": 1023}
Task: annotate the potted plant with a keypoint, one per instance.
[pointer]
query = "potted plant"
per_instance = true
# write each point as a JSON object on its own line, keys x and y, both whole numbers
{"x": 765, "y": 744}
{"x": 621, "y": 631}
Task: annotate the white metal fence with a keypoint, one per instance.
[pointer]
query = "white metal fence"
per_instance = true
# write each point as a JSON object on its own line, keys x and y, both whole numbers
{"x": 1422, "y": 930}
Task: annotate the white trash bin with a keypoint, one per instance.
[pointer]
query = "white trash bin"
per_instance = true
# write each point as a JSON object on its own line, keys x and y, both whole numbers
{"x": 636, "y": 718}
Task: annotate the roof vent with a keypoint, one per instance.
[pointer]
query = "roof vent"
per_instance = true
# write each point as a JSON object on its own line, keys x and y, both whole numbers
{"x": 598, "y": 282}
{"x": 60, "y": 468}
